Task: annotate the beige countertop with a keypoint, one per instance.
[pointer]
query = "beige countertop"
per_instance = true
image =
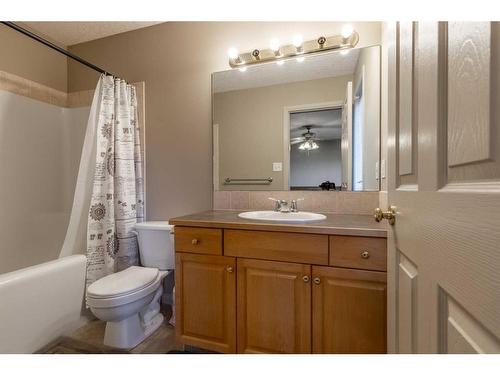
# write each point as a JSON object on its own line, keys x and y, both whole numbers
{"x": 338, "y": 224}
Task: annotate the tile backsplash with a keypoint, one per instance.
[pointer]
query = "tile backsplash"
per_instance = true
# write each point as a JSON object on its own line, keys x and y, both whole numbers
{"x": 342, "y": 202}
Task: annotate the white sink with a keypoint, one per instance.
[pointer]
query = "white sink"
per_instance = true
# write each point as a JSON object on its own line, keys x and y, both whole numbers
{"x": 298, "y": 217}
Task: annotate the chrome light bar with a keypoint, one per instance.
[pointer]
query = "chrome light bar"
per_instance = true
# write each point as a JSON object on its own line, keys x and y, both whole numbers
{"x": 336, "y": 42}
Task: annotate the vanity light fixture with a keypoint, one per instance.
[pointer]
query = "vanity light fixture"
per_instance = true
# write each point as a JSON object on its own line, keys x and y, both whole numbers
{"x": 346, "y": 40}
{"x": 233, "y": 54}
{"x": 256, "y": 54}
{"x": 297, "y": 42}
{"x": 347, "y": 31}
{"x": 275, "y": 46}
{"x": 321, "y": 41}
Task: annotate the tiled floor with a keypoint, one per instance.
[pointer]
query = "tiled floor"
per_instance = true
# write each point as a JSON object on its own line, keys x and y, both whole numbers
{"x": 89, "y": 340}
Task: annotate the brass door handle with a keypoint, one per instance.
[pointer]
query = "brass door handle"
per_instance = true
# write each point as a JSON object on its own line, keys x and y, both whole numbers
{"x": 229, "y": 269}
{"x": 194, "y": 241}
{"x": 317, "y": 280}
{"x": 305, "y": 278}
{"x": 390, "y": 215}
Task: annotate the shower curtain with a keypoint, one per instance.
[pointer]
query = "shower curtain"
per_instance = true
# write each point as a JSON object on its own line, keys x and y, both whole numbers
{"x": 117, "y": 198}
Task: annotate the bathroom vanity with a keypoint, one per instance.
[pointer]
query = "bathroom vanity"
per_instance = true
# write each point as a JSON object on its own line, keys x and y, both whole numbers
{"x": 244, "y": 286}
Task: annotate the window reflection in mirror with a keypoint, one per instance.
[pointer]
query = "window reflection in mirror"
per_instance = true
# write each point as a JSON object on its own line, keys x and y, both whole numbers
{"x": 310, "y": 125}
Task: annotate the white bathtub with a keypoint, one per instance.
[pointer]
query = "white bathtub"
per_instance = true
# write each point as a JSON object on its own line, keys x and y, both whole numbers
{"x": 40, "y": 303}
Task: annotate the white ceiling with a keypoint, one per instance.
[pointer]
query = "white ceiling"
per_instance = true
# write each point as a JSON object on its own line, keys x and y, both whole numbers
{"x": 325, "y": 124}
{"x": 313, "y": 67}
{"x": 69, "y": 33}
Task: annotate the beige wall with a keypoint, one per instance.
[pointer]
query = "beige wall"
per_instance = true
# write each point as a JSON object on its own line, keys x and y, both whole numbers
{"x": 176, "y": 60}
{"x": 251, "y": 126}
{"x": 31, "y": 60}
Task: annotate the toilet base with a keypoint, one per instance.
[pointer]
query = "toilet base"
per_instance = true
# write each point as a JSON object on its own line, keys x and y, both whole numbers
{"x": 130, "y": 332}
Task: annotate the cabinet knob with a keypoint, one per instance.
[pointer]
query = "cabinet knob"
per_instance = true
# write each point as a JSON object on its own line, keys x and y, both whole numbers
{"x": 305, "y": 278}
{"x": 317, "y": 280}
{"x": 194, "y": 241}
{"x": 229, "y": 269}
{"x": 365, "y": 255}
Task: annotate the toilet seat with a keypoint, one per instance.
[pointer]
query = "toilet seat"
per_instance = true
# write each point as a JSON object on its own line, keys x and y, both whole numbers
{"x": 123, "y": 287}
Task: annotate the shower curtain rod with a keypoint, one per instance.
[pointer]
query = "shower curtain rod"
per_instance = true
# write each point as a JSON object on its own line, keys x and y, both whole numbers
{"x": 54, "y": 47}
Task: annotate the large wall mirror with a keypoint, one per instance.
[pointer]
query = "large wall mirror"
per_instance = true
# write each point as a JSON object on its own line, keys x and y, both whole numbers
{"x": 311, "y": 123}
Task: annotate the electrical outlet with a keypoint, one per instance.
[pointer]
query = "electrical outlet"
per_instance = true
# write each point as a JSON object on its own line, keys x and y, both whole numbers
{"x": 277, "y": 167}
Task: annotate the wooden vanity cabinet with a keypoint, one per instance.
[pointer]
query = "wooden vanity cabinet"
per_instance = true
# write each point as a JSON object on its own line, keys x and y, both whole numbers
{"x": 205, "y": 301}
{"x": 330, "y": 297}
{"x": 348, "y": 311}
{"x": 274, "y": 307}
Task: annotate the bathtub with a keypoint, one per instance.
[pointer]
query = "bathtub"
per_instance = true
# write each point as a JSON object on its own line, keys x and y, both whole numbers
{"x": 40, "y": 303}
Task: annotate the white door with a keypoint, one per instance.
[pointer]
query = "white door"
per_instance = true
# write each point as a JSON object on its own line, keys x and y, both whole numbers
{"x": 346, "y": 141}
{"x": 444, "y": 179}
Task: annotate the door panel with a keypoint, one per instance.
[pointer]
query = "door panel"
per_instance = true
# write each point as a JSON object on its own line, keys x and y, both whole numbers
{"x": 274, "y": 307}
{"x": 407, "y": 305}
{"x": 468, "y": 92}
{"x": 206, "y": 315}
{"x": 443, "y": 249}
{"x": 473, "y": 152}
{"x": 405, "y": 98}
{"x": 461, "y": 333}
{"x": 349, "y": 311}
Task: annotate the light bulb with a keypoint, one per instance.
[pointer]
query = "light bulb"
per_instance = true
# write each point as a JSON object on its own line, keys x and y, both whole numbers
{"x": 280, "y": 62}
{"x": 275, "y": 45}
{"x": 300, "y": 59}
{"x": 347, "y": 31}
{"x": 297, "y": 41}
{"x": 232, "y": 53}
{"x": 243, "y": 69}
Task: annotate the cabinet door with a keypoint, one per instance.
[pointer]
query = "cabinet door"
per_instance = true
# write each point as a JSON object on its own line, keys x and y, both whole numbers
{"x": 205, "y": 301}
{"x": 349, "y": 310}
{"x": 274, "y": 307}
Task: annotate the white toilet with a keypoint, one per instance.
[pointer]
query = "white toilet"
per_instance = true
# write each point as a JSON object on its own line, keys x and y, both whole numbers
{"x": 129, "y": 300}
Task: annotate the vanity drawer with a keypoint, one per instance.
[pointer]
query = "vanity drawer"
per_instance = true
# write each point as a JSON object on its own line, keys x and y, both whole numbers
{"x": 366, "y": 253}
{"x": 198, "y": 240}
{"x": 288, "y": 247}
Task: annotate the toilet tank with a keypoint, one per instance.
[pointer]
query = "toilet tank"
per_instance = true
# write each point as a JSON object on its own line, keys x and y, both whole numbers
{"x": 156, "y": 244}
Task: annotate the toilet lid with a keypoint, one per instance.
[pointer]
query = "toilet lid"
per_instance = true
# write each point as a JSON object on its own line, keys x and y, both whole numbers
{"x": 124, "y": 282}
{"x": 154, "y": 225}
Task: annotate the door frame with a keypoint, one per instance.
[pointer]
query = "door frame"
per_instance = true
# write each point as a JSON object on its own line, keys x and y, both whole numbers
{"x": 287, "y": 111}
{"x": 355, "y": 89}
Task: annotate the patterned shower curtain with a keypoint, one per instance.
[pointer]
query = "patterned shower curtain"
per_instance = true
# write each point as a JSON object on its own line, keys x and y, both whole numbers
{"x": 117, "y": 201}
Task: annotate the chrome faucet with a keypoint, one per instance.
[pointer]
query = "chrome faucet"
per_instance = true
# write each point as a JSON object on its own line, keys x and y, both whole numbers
{"x": 294, "y": 207}
{"x": 281, "y": 205}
